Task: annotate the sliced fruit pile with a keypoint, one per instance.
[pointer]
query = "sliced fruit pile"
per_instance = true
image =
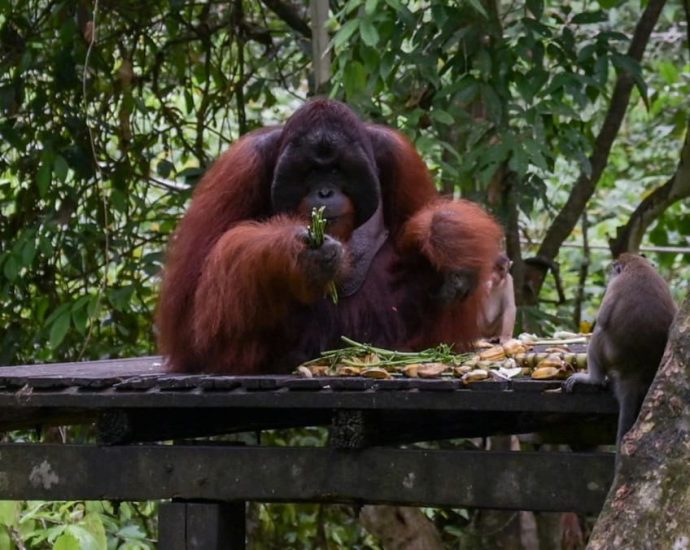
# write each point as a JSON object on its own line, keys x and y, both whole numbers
{"x": 539, "y": 358}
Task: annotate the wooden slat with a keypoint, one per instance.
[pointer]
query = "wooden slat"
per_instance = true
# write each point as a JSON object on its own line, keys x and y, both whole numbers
{"x": 86, "y": 370}
{"x": 351, "y": 384}
{"x": 162, "y": 382}
{"x": 384, "y": 427}
{"x": 146, "y": 373}
{"x": 537, "y": 386}
{"x": 172, "y": 525}
{"x": 262, "y": 395}
{"x": 139, "y": 389}
{"x": 434, "y": 385}
{"x": 513, "y": 481}
{"x": 201, "y": 526}
{"x": 136, "y": 425}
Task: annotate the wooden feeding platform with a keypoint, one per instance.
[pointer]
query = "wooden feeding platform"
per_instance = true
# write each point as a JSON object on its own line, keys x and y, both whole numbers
{"x": 150, "y": 428}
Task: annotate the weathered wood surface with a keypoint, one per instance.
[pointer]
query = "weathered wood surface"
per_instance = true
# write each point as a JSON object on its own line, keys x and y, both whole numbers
{"x": 109, "y": 369}
{"x": 284, "y": 392}
{"x": 201, "y": 525}
{"x": 142, "y": 383}
{"x": 135, "y": 400}
{"x": 505, "y": 480}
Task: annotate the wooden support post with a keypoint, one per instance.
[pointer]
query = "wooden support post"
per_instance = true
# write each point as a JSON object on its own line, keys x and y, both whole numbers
{"x": 201, "y": 525}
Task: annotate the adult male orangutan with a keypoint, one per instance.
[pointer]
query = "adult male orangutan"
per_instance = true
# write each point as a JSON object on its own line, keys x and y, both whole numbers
{"x": 243, "y": 292}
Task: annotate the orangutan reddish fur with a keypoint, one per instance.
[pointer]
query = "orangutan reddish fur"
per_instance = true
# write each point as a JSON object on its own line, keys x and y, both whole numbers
{"x": 237, "y": 299}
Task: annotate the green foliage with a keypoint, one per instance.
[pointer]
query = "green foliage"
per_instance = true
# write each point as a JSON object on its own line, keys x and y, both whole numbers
{"x": 481, "y": 86}
{"x": 309, "y": 526}
{"x": 76, "y": 525}
{"x": 97, "y": 160}
{"x": 489, "y": 87}
{"x": 278, "y": 526}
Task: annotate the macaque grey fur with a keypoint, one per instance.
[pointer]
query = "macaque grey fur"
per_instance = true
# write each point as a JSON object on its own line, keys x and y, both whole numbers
{"x": 629, "y": 336}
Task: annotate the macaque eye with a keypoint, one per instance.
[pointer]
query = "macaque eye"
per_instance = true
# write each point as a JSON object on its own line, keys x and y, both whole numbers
{"x": 616, "y": 268}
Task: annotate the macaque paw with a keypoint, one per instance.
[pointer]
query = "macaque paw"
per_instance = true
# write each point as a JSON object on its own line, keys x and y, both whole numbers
{"x": 580, "y": 378}
{"x": 323, "y": 263}
{"x": 457, "y": 285}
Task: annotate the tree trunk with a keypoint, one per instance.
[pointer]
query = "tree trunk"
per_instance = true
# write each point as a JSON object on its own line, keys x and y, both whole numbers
{"x": 648, "y": 505}
{"x": 321, "y": 56}
{"x": 401, "y": 528}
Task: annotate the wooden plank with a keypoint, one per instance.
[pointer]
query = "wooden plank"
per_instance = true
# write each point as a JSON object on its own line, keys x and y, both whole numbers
{"x": 403, "y": 427}
{"x": 172, "y": 525}
{"x": 201, "y": 525}
{"x": 137, "y": 425}
{"x": 148, "y": 373}
{"x": 162, "y": 382}
{"x": 27, "y": 418}
{"x": 87, "y": 370}
{"x": 388, "y": 426}
{"x": 351, "y": 384}
{"x": 115, "y": 369}
{"x": 215, "y": 526}
{"x": 538, "y": 386}
{"x": 513, "y": 480}
{"x": 446, "y": 384}
{"x": 373, "y": 398}
{"x": 383, "y": 427}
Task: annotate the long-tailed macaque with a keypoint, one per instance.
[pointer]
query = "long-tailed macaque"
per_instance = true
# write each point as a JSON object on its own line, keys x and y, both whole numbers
{"x": 629, "y": 336}
{"x": 498, "y": 314}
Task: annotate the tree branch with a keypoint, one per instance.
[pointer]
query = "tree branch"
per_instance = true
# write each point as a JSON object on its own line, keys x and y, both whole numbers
{"x": 586, "y": 183}
{"x": 584, "y": 273}
{"x": 629, "y": 236}
{"x": 289, "y": 14}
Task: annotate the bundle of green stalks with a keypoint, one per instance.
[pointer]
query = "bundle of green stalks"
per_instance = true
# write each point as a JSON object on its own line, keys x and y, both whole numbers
{"x": 316, "y": 233}
{"x": 357, "y": 354}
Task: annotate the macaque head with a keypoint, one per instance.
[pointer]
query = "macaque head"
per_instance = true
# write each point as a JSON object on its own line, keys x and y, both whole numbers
{"x": 500, "y": 271}
{"x": 628, "y": 261}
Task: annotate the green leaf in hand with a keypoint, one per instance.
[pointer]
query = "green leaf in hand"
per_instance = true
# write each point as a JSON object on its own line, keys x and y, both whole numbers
{"x": 316, "y": 233}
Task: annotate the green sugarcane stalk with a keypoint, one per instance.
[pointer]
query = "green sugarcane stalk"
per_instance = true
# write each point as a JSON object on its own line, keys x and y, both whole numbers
{"x": 442, "y": 353}
{"x": 316, "y": 234}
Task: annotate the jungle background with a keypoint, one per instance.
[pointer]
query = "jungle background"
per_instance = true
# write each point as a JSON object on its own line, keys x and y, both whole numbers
{"x": 568, "y": 120}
